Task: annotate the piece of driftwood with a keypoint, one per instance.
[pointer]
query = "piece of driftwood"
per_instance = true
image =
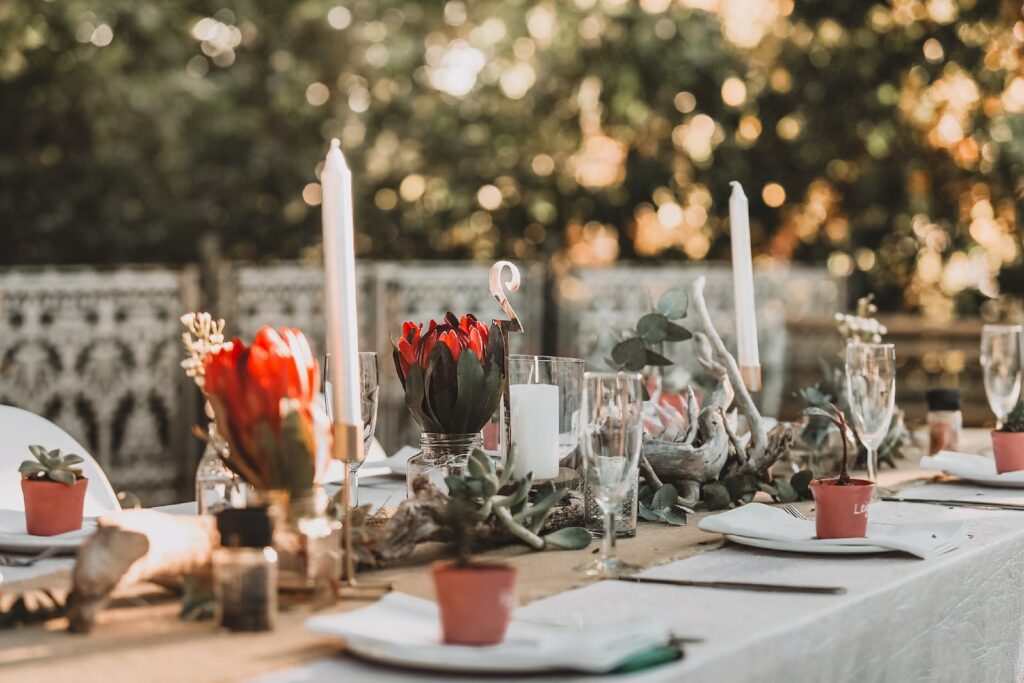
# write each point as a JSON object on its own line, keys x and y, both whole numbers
{"x": 134, "y": 546}
{"x": 712, "y": 445}
{"x": 417, "y": 520}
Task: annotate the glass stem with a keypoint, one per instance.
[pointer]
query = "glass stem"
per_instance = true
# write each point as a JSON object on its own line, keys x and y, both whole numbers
{"x": 608, "y": 542}
{"x": 873, "y": 465}
{"x": 353, "y": 501}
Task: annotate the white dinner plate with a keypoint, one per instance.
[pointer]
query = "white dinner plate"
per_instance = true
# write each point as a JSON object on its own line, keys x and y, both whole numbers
{"x": 813, "y": 547}
{"x": 404, "y": 631}
{"x": 14, "y": 538}
{"x": 977, "y": 469}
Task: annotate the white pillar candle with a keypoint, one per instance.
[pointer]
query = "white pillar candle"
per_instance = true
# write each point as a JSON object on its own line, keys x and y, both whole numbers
{"x": 743, "y": 287}
{"x": 534, "y": 409}
{"x": 340, "y": 292}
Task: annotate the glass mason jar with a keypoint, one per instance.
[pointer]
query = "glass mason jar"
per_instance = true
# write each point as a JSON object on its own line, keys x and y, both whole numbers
{"x": 306, "y": 537}
{"x": 217, "y": 487}
{"x": 441, "y": 455}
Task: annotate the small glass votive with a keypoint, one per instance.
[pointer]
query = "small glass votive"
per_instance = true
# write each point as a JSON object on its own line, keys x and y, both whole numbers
{"x": 245, "y": 570}
{"x": 625, "y": 516}
{"x": 545, "y": 395}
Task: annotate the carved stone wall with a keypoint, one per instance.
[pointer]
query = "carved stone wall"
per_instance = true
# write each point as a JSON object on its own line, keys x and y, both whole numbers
{"x": 98, "y": 353}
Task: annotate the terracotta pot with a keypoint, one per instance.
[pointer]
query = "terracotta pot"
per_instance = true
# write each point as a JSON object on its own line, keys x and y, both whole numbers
{"x": 51, "y": 507}
{"x": 475, "y": 601}
{"x": 1008, "y": 449}
{"x": 841, "y": 511}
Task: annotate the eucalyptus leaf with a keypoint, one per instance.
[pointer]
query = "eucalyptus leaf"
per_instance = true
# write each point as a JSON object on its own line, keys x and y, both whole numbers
{"x": 801, "y": 482}
{"x": 786, "y": 492}
{"x": 652, "y": 328}
{"x": 570, "y": 538}
{"x": 673, "y": 303}
{"x": 665, "y": 497}
{"x": 716, "y": 497}
{"x": 676, "y": 333}
{"x": 674, "y": 516}
{"x": 631, "y": 354}
{"x": 646, "y": 512}
{"x": 654, "y": 358}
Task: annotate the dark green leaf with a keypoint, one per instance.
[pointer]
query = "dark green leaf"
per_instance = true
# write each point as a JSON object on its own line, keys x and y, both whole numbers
{"x": 654, "y": 358}
{"x": 716, "y": 497}
{"x": 630, "y": 354}
{"x": 570, "y": 538}
{"x": 652, "y": 328}
{"x": 801, "y": 481}
{"x": 672, "y": 304}
{"x": 676, "y": 333}
{"x": 787, "y": 494}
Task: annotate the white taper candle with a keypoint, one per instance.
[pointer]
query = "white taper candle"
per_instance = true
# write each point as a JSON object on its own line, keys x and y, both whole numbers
{"x": 743, "y": 286}
{"x": 340, "y": 288}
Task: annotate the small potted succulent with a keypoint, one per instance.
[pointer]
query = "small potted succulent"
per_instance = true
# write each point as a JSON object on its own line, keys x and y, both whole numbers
{"x": 476, "y": 599}
{"x": 1008, "y": 442}
{"x": 841, "y": 502}
{"x": 54, "y": 491}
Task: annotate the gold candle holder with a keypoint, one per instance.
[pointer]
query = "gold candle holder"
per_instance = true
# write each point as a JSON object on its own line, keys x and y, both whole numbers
{"x": 348, "y": 448}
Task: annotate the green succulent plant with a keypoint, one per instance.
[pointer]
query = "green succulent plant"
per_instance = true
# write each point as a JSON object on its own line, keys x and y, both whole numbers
{"x": 52, "y": 465}
{"x": 475, "y": 498}
{"x": 1015, "y": 420}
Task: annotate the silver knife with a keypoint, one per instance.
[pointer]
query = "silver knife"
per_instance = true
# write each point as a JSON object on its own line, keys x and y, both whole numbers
{"x": 737, "y": 585}
{"x": 956, "y": 503}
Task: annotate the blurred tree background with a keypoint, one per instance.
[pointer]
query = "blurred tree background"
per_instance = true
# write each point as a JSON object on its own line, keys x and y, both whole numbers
{"x": 879, "y": 139}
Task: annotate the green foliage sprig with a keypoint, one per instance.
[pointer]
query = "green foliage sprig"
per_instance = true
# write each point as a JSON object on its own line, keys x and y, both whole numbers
{"x": 634, "y": 353}
{"x": 661, "y": 505}
{"x": 1015, "y": 420}
{"x": 52, "y": 466}
{"x": 483, "y": 495}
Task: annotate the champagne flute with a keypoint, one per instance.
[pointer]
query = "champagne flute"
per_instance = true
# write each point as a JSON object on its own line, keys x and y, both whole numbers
{"x": 1001, "y": 366}
{"x": 871, "y": 393}
{"x": 611, "y": 440}
{"x": 369, "y": 391}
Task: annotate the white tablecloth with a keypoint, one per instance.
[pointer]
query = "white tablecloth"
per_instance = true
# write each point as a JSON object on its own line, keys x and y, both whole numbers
{"x": 959, "y": 617}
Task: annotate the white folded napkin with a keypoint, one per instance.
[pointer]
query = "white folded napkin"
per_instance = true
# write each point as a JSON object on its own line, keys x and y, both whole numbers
{"x": 402, "y": 629}
{"x": 756, "y": 520}
{"x": 969, "y": 466}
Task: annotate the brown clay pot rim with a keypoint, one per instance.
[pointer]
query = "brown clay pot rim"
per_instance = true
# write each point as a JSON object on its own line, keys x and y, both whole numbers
{"x": 30, "y": 480}
{"x": 453, "y": 565}
{"x": 832, "y": 482}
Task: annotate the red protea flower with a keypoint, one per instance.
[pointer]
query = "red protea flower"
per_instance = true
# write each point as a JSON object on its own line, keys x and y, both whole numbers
{"x": 265, "y": 398}
{"x": 421, "y": 362}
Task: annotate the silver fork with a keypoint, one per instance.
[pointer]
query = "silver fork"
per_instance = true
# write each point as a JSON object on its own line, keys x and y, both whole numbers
{"x": 793, "y": 512}
{"x": 13, "y": 561}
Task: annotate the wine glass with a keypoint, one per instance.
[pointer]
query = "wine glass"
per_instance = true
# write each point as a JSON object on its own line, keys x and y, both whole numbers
{"x": 1001, "y": 365}
{"x": 871, "y": 393}
{"x": 369, "y": 392}
{"x": 611, "y": 439}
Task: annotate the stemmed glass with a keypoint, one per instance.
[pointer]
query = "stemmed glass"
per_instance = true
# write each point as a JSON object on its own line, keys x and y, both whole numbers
{"x": 871, "y": 393}
{"x": 611, "y": 439}
{"x": 368, "y": 393}
{"x": 1001, "y": 365}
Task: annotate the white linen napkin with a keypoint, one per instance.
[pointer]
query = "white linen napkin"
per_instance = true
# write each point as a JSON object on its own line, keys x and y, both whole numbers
{"x": 969, "y": 466}
{"x": 756, "y": 520}
{"x": 400, "y": 628}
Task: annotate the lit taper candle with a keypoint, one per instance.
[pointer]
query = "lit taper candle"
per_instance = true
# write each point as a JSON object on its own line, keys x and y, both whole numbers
{"x": 340, "y": 299}
{"x": 743, "y": 286}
